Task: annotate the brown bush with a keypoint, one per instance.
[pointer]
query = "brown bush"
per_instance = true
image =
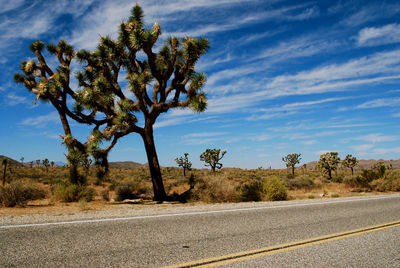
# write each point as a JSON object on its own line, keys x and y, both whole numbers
{"x": 18, "y": 194}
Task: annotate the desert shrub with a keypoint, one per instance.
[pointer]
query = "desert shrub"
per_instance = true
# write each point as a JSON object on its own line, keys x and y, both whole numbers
{"x": 18, "y": 194}
{"x": 338, "y": 178}
{"x": 389, "y": 182}
{"x": 251, "y": 190}
{"x": 130, "y": 190}
{"x": 275, "y": 189}
{"x": 215, "y": 189}
{"x": 302, "y": 181}
{"x": 357, "y": 181}
{"x": 73, "y": 192}
{"x": 105, "y": 194}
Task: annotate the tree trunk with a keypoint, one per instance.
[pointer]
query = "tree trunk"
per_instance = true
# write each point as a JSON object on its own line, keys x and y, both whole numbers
{"x": 330, "y": 173}
{"x": 352, "y": 171}
{"x": 154, "y": 166}
{"x": 184, "y": 172}
{"x": 4, "y": 173}
{"x": 73, "y": 173}
{"x": 293, "y": 170}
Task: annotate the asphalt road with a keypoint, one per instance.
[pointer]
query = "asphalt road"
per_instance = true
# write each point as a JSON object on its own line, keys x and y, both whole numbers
{"x": 179, "y": 237}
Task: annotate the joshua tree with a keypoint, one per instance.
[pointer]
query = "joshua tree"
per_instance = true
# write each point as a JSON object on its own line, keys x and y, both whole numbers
{"x": 22, "y": 160}
{"x": 291, "y": 160}
{"x": 31, "y": 164}
{"x": 53, "y": 86}
{"x": 328, "y": 162}
{"x": 350, "y": 162}
{"x": 211, "y": 158}
{"x": 170, "y": 72}
{"x": 52, "y": 164}
{"x": 46, "y": 164}
{"x": 184, "y": 162}
{"x": 37, "y": 163}
{"x": 4, "y": 163}
{"x": 380, "y": 168}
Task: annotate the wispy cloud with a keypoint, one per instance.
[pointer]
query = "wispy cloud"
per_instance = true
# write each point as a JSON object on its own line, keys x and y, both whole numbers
{"x": 260, "y": 137}
{"x": 374, "y": 138}
{"x": 12, "y": 99}
{"x": 363, "y": 147}
{"x": 204, "y": 134}
{"x": 374, "y": 36}
{"x": 368, "y": 13}
{"x": 41, "y": 121}
{"x": 383, "y": 102}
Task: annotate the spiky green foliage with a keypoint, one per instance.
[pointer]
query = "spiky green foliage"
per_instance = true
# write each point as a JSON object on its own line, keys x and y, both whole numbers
{"x": 292, "y": 160}
{"x": 350, "y": 162}
{"x": 211, "y": 157}
{"x": 162, "y": 80}
{"x": 328, "y": 162}
{"x": 184, "y": 163}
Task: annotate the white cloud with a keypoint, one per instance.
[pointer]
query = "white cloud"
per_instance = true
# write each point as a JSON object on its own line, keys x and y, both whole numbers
{"x": 260, "y": 137}
{"x": 384, "y": 102}
{"x": 6, "y": 6}
{"x": 12, "y": 99}
{"x": 204, "y": 134}
{"x": 37, "y": 18}
{"x": 376, "y": 138}
{"x": 363, "y": 147}
{"x": 386, "y": 150}
{"x": 41, "y": 121}
{"x": 370, "y": 13}
{"x": 308, "y": 142}
{"x": 374, "y": 36}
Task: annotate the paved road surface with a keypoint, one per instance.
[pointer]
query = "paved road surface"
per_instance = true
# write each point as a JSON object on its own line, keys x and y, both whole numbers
{"x": 168, "y": 239}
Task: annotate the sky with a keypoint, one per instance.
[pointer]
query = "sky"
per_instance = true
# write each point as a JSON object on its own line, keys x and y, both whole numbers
{"x": 283, "y": 77}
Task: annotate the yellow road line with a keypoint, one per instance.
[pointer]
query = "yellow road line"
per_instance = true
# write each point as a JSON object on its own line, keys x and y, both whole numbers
{"x": 245, "y": 255}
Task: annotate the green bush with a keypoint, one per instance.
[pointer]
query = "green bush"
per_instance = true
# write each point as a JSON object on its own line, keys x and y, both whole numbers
{"x": 302, "y": 181}
{"x": 18, "y": 194}
{"x": 129, "y": 190}
{"x": 73, "y": 192}
{"x": 389, "y": 182}
{"x": 275, "y": 189}
{"x": 251, "y": 190}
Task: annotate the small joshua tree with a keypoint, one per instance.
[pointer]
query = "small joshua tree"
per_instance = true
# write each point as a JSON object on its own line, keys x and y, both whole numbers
{"x": 350, "y": 162}
{"x": 328, "y": 162}
{"x": 184, "y": 162}
{"x": 22, "y": 160}
{"x": 37, "y": 163}
{"x": 4, "y": 162}
{"x": 46, "y": 164}
{"x": 211, "y": 158}
{"x": 291, "y": 160}
{"x": 52, "y": 164}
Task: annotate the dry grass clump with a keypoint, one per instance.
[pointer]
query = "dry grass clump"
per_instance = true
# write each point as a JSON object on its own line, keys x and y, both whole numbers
{"x": 66, "y": 192}
{"x": 389, "y": 182}
{"x": 215, "y": 189}
{"x": 19, "y": 193}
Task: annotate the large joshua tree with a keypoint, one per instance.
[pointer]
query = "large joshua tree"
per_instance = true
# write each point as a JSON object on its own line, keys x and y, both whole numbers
{"x": 53, "y": 86}
{"x": 159, "y": 81}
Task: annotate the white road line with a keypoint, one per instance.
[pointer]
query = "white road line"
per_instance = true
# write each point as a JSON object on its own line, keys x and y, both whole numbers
{"x": 195, "y": 212}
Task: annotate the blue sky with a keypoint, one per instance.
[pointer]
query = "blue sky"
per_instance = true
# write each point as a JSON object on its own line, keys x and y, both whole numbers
{"x": 283, "y": 77}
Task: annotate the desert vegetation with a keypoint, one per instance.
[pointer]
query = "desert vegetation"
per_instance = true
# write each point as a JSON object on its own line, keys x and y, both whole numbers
{"x": 52, "y": 185}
